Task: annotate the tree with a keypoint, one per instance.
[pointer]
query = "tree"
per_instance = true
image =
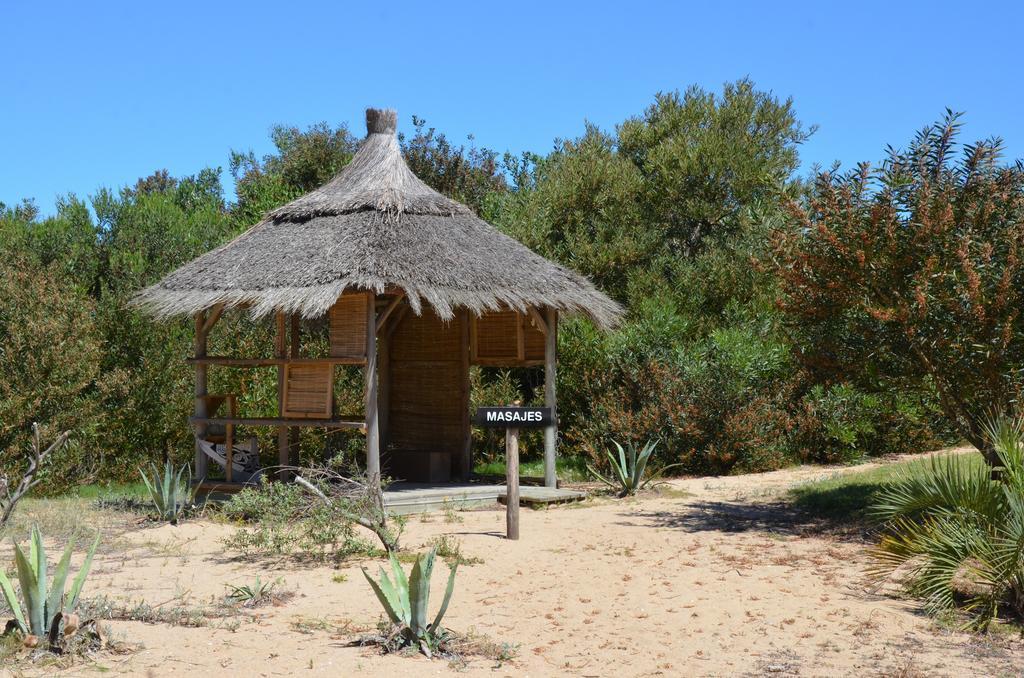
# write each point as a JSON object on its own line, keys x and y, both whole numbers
{"x": 913, "y": 273}
{"x": 305, "y": 160}
{"x": 665, "y": 213}
{"x": 632, "y": 209}
{"x": 472, "y": 176}
{"x": 49, "y": 356}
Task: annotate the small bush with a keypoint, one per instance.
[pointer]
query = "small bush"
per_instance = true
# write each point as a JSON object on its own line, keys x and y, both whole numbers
{"x": 284, "y": 521}
{"x": 840, "y": 424}
{"x": 450, "y": 550}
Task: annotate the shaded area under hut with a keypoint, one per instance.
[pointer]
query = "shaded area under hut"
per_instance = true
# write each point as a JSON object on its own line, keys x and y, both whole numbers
{"x": 413, "y": 287}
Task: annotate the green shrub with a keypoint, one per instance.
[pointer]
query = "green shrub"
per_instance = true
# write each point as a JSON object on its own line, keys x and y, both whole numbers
{"x": 840, "y": 424}
{"x": 50, "y": 353}
{"x": 282, "y": 520}
{"x": 910, "y": 270}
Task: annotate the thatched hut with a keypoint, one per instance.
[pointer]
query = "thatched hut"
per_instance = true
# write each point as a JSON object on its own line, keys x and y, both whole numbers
{"x": 416, "y": 287}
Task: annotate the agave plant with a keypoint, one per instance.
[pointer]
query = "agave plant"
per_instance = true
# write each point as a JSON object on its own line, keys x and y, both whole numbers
{"x": 957, "y": 533}
{"x": 45, "y": 604}
{"x": 630, "y": 468}
{"x": 252, "y": 595}
{"x": 405, "y": 601}
{"x": 171, "y": 497}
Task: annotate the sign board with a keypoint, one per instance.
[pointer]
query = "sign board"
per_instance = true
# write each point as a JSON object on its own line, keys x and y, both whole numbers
{"x": 513, "y": 417}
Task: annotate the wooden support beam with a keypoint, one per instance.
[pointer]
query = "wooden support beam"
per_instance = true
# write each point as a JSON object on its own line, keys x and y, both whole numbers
{"x": 473, "y": 317}
{"x": 550, "y": 399}
{"x": 465, "y": 465}
{"x": 507, "y": 362}
{"x": 384, "y": 385}
{"x": 520, "y": 337}
{"x": 271, "y": 362}
{"x": 386, "y": 313}
{"x": 538, "y": 320}
{"x": 282, "y": 432}
{"x": 396, "y": 321}
{"x": 370, "y": 393}
{"x": 200, "y": 462}
{"x": 229, "y": 439}
{"x": 215, "y": 313}
{"x": 296, "y": 344}
{"x": 229, "y": 451}
{"x": 277, "y": 422}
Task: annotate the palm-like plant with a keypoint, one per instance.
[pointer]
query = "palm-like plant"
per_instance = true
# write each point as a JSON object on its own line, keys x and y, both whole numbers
{"x": 630, "y": 468}
{"x": 405, "y": 601}
{"x": 958, "y": 532}
{"x": 171, "y": 497}
{"x": 45, "y": 604}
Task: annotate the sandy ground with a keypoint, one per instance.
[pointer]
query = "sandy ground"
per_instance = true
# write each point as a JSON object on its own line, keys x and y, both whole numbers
{"x": 723, "y": 581}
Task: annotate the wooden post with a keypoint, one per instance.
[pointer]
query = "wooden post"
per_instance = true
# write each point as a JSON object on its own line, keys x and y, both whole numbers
{"x": 466, "y": 453}
{"x": 201, "y": 466}
{"x": 370, "y": 392}
{"x": 229, "y": 451}
{"x": 512, "y": 483}
{"x": 550, "y": 400}
{"x": 283, "y": 458}
{"x": 384, "y": 373}
{"x": 293, "y": 432}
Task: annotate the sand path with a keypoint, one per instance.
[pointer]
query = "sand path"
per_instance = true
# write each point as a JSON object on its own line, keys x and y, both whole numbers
{"x": 727, "y": 580}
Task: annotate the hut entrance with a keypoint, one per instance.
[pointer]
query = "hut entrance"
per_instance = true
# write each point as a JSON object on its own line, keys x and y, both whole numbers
{"x": 426, "y": 388}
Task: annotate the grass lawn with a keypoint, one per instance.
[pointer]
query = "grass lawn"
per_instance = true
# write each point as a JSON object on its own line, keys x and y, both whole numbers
{"x": 110, "y": 490}
{"x": 569, "y": 469}
{"x": 847, "y": 496}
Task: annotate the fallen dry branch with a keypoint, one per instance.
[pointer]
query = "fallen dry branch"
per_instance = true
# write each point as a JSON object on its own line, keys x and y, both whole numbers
{"x": 362, "y": 503}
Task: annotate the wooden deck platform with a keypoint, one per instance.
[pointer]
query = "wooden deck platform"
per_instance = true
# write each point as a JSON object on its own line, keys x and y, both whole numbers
{"x": 406, "y": 498}
{"x": 403, "y": 498}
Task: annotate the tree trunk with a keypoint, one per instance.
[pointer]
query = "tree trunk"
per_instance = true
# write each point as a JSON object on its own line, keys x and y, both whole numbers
{"x": 985, "y": 446}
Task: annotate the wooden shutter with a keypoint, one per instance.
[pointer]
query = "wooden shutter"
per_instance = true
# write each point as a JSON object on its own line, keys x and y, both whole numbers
{"x": 308, "y": 391}
{"x": 348, "y": 326}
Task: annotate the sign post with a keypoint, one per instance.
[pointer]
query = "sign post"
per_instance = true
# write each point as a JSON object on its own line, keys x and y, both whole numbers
{"x": 512, "y": 419}
{"x": 512, "y": 483}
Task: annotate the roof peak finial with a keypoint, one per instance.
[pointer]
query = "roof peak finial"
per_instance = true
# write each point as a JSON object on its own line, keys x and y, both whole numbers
{"x": 381, "y": 120}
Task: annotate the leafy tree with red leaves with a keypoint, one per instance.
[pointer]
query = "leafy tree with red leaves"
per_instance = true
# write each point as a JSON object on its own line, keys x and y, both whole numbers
{"x": 912, "y": 273}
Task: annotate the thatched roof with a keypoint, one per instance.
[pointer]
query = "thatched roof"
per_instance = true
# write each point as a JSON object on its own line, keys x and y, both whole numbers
{"x": 375, "y": 226}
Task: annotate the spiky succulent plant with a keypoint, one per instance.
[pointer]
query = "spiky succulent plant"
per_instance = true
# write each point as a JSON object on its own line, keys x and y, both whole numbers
{"x": 405, "y": 601}
{"x": 630, "y": 468}
{"x": 171, "y": 497}
{"x": 44, "y": 605}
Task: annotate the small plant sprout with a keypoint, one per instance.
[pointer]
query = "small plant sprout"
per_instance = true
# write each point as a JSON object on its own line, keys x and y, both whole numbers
{"x": 630, "y": 467}
{"x": 171, "y": 497}
{"x": 405, "y": 601}
{"x": 253, "y": 595}
{"x": 45, "y": 607}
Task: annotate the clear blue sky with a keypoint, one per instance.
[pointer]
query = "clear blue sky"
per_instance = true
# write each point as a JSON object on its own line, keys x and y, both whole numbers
{"x": 99, "y": 96}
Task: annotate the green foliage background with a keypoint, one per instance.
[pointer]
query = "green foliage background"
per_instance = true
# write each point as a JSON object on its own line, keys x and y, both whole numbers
{"x": 670, "y": 213}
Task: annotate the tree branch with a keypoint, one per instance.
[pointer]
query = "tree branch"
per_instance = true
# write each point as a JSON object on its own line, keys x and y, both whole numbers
{"x": 9, "y": 499}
